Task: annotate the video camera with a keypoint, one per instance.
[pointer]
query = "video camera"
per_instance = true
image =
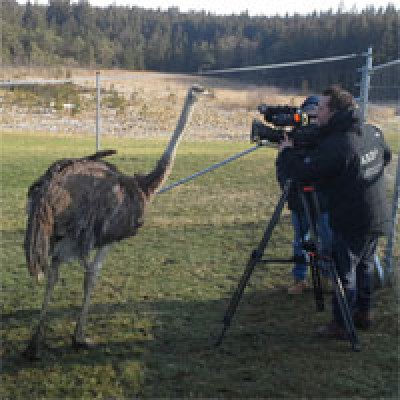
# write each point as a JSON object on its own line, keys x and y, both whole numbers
{"x": 302, "y": 133}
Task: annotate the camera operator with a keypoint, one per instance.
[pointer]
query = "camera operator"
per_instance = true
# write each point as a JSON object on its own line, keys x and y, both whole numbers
{"x": 348, "y": 165}
{"x": 298, "y": 217}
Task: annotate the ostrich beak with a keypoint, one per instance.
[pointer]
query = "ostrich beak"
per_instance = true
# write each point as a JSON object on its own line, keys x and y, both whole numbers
{"x": 202, "y": 91}
{"x": 209, "y": 93}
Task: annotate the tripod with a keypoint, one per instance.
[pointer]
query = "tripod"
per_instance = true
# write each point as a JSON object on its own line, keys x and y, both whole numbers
{"x": 313, "y": 248}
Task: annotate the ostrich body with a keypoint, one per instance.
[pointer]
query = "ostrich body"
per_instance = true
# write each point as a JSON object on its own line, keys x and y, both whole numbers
{"x": 83, "y": 204}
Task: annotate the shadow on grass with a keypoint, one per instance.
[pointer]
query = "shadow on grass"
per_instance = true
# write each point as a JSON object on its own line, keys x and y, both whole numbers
{"x": 270, "y": 347}
{"x": 175, "y": 325}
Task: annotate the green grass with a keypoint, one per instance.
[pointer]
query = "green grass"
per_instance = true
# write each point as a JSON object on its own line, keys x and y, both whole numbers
{"x": 161, "y": 296}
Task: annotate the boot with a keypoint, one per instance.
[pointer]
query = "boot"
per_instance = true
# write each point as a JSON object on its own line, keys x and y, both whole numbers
{"x": 298, "y": 287}
{"x": 362, "y": 320}
{"x": 332, "y": 330}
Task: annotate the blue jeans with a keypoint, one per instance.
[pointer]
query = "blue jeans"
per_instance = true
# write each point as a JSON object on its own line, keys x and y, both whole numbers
{"x": 300, "y": 230}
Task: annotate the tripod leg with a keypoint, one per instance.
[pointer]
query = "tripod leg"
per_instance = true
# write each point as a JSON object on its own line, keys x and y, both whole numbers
{"x": 316, "y": 279}
{"x": 340, "y": 293}
{"x": 237, "y": 295}
{"x": 312, "y": 219}
{"x": 345, "y": 309}
{"x": 254, "y": 259}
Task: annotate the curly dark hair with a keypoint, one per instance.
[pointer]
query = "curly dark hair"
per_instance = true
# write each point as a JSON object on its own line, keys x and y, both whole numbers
{"x": 340, "y": 99}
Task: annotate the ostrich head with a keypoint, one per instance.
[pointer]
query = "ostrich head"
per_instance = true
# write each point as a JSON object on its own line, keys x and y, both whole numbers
{"x": 196, "y": 92}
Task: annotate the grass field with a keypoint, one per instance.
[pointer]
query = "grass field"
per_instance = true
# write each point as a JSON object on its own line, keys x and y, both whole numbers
{"x": 161, "y": 296}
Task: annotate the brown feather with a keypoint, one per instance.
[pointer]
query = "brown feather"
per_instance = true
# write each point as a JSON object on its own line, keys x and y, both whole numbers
{"x": 85, "y": 201}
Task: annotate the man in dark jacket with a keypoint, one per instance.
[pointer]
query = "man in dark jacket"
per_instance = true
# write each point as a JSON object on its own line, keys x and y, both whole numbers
{"x": 348, "y": 165}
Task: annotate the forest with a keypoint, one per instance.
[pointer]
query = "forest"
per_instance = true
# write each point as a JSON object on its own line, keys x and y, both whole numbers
{"x": 78, "y": 34}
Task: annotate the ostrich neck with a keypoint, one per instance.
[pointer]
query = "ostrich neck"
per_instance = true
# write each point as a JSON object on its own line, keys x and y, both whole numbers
{"x": 156, "y": 178}
{"x": 169, "y": 153}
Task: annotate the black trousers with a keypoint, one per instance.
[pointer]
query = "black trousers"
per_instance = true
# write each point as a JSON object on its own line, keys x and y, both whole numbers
{"x": 354, "y": 259}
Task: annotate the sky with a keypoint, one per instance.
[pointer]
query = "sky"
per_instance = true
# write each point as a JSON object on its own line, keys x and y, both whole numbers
{"x": 254, "y": 7}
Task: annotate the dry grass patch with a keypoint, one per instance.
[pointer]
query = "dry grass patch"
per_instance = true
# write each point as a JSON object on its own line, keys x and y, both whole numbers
{"x": 381, "y": 112}
{"x": 152, "y": 103}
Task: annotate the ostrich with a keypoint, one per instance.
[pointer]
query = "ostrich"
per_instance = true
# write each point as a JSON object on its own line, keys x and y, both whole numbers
{"x": 83, "y": 204}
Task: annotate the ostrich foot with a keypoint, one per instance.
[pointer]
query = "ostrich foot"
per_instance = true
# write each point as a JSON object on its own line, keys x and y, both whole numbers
{"x": 82, "y": 343}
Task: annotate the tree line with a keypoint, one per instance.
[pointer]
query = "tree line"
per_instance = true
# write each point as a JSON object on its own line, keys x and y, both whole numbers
{"x": 77, "y": 34}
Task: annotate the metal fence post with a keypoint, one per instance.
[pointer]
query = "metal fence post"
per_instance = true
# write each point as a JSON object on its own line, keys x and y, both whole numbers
{"x": 365, "y": 83}
{"x": 367, "y": 70}
{"x": 98, "y": 127}
{"x": 392, "y": 234}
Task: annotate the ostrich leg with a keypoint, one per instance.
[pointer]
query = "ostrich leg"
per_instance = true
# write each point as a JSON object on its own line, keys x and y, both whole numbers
{"x": 92, "y": 270}
{"x": 33, "y": 350}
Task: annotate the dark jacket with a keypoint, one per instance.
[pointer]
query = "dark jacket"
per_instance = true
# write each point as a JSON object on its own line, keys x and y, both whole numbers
{"x": 348, "y": 165}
